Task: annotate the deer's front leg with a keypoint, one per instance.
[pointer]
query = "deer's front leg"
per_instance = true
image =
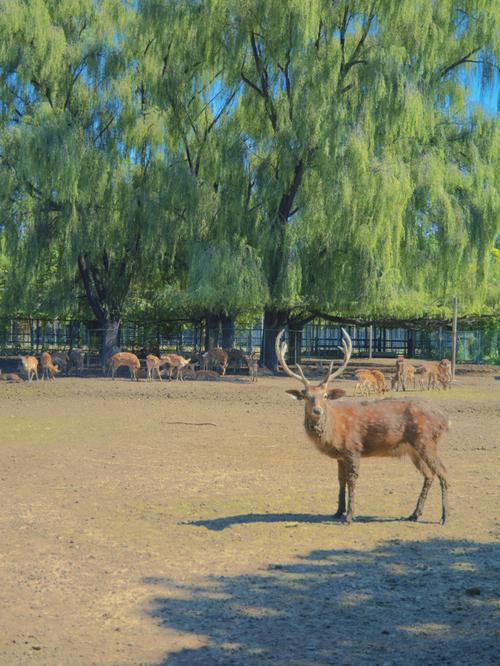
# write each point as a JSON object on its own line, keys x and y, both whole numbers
{"x": 352, "y": 471}
{"x": 342, "y": 484}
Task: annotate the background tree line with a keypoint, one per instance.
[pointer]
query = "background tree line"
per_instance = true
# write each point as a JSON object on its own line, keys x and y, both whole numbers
{"x": 216, "y": 159}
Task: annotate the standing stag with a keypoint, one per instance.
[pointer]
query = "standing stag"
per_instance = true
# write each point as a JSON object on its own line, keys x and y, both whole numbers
{"x": 350, "y": 429}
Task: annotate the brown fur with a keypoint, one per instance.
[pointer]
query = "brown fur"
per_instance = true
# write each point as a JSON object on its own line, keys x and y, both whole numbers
{"x": 128, "y": 359}
{"x": 349, "y": 429}
{"x": 215, "y": 358}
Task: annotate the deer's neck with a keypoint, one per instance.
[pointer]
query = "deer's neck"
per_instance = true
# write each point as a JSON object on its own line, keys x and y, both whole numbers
{"x": 317, "y": 428}
{"x": 320, "y": 432}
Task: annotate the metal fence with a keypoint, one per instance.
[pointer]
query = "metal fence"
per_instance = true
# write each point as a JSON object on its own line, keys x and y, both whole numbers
{"x": 318, "y": 339}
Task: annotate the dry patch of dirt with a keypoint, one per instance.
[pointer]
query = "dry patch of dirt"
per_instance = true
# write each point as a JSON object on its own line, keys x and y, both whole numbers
{"x": 190, "y": 523}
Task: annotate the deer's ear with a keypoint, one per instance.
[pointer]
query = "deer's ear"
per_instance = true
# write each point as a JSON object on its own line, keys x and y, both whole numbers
{"x": 296, "y": 394}
{"x": 333, "y": 394}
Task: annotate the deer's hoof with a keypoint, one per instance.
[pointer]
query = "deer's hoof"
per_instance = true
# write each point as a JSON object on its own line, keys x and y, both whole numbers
{"x": 346, "y": 520}
{"x": 413, "y": 517}
{"x": 338, "y": 516}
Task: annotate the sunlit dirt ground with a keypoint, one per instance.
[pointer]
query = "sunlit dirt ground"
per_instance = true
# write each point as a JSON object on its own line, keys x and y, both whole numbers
{"x": 190, "y": 523}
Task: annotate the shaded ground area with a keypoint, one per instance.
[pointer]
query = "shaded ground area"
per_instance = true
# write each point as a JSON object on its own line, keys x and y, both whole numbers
{"x": 189, "y": 523}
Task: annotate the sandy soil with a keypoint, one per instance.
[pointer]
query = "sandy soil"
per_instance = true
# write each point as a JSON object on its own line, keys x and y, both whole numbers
{"x": 190, "y": 523}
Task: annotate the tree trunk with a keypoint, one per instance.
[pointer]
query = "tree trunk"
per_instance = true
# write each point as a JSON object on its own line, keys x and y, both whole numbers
{"x": 227, "y": 326}
{"x": 212, "y": 331}
{"x": 274, "y": 321}
{"x": 109, "y": 340}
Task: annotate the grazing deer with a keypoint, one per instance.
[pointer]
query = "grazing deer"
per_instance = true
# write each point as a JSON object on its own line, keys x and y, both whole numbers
{"x": 350, "y": 429}
{"x": 405, "y": 374}
{"x": 178, "y": 362}
{"x": 253, "y": 366}
{"x": 217, "y": 358}
{"x": 48, "y": 366}
{"x": 125, "y": 358}
{"x": 30, "y": 366}
{"x": 380, "y": 379}
{"x": 153, "y": 363}
{"x": 366, "y": 382}
{"x": 431, "y": 374}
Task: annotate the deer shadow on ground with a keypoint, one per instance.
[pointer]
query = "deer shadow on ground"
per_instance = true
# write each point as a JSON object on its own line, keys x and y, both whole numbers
{"x": 219, "y": 524}
{"x": 429, "y": 602}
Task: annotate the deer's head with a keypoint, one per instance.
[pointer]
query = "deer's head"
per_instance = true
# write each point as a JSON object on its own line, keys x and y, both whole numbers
{"x": 315, "y": 396}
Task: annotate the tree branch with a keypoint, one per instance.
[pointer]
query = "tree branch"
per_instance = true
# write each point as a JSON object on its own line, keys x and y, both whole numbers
{"x": 445, "y": 70}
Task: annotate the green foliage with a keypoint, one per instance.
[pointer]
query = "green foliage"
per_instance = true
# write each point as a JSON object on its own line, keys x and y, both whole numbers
{"x": 184, "y": 157}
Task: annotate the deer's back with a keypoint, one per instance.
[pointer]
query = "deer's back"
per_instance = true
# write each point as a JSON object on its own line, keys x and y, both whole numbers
{"x": 125, "y": 358}
{"x": 384, "y": 427}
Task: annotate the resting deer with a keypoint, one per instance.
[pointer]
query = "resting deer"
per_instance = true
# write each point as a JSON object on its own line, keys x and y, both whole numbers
{"x": 350, "y": 429}
{"x": 9, "y": 377}
{"x": 48, "y": 366}
{"x": 30, "y": 366}
{"x": 128, "y": 359}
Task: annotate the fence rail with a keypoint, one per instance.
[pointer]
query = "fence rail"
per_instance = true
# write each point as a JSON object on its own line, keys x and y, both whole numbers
{"x": 317, "y": 340}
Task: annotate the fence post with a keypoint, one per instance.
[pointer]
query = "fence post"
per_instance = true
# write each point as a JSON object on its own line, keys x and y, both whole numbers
{"x": 454, "y": 337}
{"x": 370, "y": 342}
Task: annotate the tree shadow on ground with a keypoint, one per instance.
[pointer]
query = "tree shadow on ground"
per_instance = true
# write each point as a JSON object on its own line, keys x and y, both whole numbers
{"x": 429, "y": 602}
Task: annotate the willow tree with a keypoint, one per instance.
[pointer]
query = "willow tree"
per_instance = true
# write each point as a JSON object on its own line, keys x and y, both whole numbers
{"x": 86, "y": 195}
{"x": 339, "y": 103}
{"x": 218, "y": 268}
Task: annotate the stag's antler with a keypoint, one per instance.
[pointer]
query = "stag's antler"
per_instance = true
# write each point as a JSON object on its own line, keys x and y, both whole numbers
{"x": 281, "y": 348}
{"x": 347, "y": 349}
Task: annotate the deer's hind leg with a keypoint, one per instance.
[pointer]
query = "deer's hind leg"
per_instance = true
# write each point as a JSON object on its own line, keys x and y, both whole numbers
{"x": 431, "y": 460}
{"x": 428, "y": 479}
